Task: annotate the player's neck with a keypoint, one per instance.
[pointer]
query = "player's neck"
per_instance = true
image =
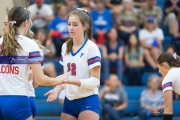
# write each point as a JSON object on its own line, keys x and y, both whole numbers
{"x": 78, "y": 41}
{"x": 21, "y": 31}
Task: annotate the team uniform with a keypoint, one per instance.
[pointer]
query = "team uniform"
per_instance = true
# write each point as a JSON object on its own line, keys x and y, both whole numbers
{"x": 32, "y": 98}
{"x": 14, "y": 84}
{"x": 172, "y": 80}
{"x": 79, "y": 99}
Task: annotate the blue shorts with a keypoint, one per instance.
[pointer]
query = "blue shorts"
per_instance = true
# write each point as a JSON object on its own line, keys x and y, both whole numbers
{"x": 14, "y": 108}
{"x": 33, "y": 106}
{"x": 75, "y": 107}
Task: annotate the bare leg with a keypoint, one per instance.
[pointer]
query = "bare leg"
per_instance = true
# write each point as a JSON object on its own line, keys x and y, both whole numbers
{"x": 149, "y": 59}
{"x": 155, "y": 53}
{"x": 88, "y": 115}
{"x": 65, "y": 116}
{"x": 30, "y": 118}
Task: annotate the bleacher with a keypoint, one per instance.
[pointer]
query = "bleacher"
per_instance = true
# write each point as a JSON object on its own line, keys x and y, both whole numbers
{"x": 52, "y": 110}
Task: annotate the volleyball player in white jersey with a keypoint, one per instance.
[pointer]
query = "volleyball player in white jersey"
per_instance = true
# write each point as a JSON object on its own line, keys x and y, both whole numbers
{"x": 169, "y": 67}
{"x": 82, "y": 57}
{"x": 14, "y": 85}
{"x": 32, "y": 83}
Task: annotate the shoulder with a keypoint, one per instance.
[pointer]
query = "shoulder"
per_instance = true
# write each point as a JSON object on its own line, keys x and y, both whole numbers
{"x": 26, "y": 42}
{"x": 32, "y": 7}
{"x": 91, "y": 44}
{"x": 45, "y": 6}
{"x": 142, "y": 31}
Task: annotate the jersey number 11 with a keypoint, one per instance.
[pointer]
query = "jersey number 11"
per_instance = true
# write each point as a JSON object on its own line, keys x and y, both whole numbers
{"x": 72, "y": 68}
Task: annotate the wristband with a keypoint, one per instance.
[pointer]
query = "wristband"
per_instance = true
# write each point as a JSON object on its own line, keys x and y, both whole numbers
{"x": 168, "y": 117}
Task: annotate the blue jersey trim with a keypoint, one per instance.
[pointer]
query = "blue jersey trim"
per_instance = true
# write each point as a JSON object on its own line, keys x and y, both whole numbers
{"x": 73, "y": 54}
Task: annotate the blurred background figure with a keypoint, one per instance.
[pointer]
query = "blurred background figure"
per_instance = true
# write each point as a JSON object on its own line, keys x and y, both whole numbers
{"x": 176, "y": 34}
{"x": 151, "y": 38}
{"x": 151, "y": 9}
{"x": 138, "y": 4}
{"x": 134, "y": 61}
{"x": 128, "y": 22}
{"x": 114, "y": 99}
{"x": 112, "y": 54}
{"x": 102, "y": 21}
{"x": 58, "y": 29}
{"x": 49, "y": 68}
{"x": 171, "y": 11}
{"x": 41, "y": 14}
{"x": 151, "y": 101}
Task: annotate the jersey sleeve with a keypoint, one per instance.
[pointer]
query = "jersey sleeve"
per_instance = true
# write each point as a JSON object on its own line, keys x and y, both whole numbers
{"x": 62, "y": 53}
{"x": 167, "y": 83}
{"x": 36, "y": 55}
{"x": 94, "y": 57}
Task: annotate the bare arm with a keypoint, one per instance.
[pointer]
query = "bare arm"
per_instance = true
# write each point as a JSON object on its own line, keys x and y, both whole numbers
{"x": 169, "y": 9}
{"x": 175, "y": 31}
{"x": 108, "y": 4}
{"x": 121, "y": 50}
{"x": 49, "y": 17}
{"x": 144, "y": 44}
{"x": 168, "y": 102}
{"x": 122, "y": 106}
{"x": 94, "y": 72}
{"x": 35, "y": 85}
{"x": 104, "y": 52}
{"x": 44, "y": 80}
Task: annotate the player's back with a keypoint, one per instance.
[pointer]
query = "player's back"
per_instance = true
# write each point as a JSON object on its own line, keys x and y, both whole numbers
{"x": 14, "y": 77}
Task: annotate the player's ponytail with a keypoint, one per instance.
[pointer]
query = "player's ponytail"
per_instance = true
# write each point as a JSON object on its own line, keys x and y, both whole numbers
{"x": 172, "y": 59}
{"x": 86, "y": 20}
{"x": 16, "y": 16}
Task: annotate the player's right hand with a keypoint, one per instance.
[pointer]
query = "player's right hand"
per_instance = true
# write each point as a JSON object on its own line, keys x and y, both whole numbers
{"x": 63, "y": 77}
{"x": 52, "y": 95}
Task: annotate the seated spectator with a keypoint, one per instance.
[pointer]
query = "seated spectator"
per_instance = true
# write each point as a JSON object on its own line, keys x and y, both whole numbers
{"x": 128, "y": 20}
{"x": 112, "y": 54}
{"x": 114, "y": 5}
{"x": 151, "y": 38}
{"x": 114, "y": 99}
{"x": 41, "y": 14}
{"x": 59, "y": 29}
{"x": 138, "y": 4}
{"x": 71, "y": 5}
{"x": 134, "y": 60}
{"x": 170, "y": 49}
{"x": 102, "y": 21}
{"x": 151, "y": 101}
{"x": 49, "y": 68}
{"x": 171, "y": 11}
{"x": 84, "y": 4}
{"x": 176, "y": 34}
{"x": 150, "y": 10}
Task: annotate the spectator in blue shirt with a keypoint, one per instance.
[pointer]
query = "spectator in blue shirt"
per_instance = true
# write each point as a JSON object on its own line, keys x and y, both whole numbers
{"x": 59, "y": 29}
{"x": 102, "y": 20}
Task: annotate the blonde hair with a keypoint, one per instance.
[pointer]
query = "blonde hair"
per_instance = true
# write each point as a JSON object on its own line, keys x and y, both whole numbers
{"x": 16, "y": 16}
{"x": 85, "y": 19}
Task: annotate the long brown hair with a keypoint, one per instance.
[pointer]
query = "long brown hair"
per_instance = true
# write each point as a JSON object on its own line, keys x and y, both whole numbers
{"x": 10, "y": 43}
{"x": 85, "y": 19}
{"x": 172, "y": 61}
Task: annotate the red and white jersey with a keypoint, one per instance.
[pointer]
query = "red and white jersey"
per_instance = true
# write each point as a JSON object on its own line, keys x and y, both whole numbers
{"x": 79, "y": 63}
{"x": 14, "y": 78}
{"x": 172, "y": 80}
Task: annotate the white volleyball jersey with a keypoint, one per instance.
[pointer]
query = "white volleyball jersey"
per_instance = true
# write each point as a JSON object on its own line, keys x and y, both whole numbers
{"x": 31, "y": 89}
{"x": 14, "y": 77}
{"x": 172, "y": 80}
{"x": 80, "y": 63}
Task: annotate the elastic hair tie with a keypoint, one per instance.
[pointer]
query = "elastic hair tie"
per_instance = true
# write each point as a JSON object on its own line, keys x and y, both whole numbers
{"x": 12, "y": 22}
